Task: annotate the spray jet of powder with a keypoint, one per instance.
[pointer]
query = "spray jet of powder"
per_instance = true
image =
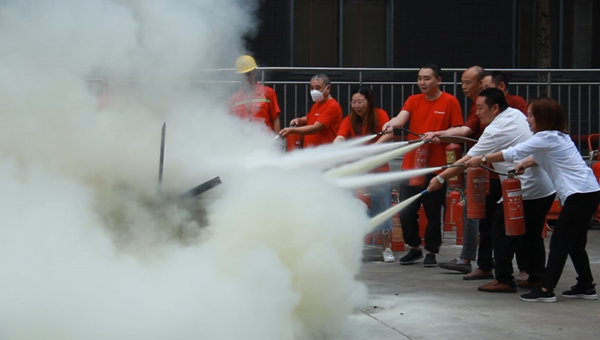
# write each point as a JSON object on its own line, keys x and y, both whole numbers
{"x": 326, "y": 156}
{"x": 88, "y": 251}
{"x": 366, "y": 164}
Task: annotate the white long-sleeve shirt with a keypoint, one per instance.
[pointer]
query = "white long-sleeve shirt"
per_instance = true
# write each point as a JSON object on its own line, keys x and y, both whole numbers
{"x": 510, "y": 128}
{"x": 556, "y": 153}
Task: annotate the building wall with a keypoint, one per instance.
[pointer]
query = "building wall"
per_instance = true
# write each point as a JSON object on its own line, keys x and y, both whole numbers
{"x": 456, "y": 33}
{"x": 271, "y": 46}
{"x": 453, "y": 34}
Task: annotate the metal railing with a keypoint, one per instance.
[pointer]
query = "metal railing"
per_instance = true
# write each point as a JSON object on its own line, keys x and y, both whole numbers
{"x": 578, "y": 90}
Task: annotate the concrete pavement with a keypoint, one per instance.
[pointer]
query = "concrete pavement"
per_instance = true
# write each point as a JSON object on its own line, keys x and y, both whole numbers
{"x": 414, "y": 302}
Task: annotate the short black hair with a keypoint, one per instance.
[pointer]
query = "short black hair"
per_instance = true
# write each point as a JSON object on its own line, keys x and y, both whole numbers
{"x": 437, "y": 71}
{"x": 494, "y": 96}
{"x": 322, "y": 77}
{"x": 498, "y": 77}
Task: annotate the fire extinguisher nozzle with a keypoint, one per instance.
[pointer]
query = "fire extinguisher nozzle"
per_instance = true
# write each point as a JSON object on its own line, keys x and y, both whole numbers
{"x": 453, "y": 165}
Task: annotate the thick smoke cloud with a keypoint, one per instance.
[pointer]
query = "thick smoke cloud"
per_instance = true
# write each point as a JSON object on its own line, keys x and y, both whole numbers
{"x": 89, "y": 250}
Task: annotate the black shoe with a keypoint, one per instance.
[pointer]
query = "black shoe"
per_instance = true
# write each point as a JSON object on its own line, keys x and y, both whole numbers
{"x": 429, "y": 261}
{"x": 537, "y": 294}
{"x": 458, "y": 265}
{"x": 412, "y": 256}
{"x": 581, "y": 293}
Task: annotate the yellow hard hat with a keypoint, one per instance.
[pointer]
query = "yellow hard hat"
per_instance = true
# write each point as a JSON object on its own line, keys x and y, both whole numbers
{"x": 245, "y": 64}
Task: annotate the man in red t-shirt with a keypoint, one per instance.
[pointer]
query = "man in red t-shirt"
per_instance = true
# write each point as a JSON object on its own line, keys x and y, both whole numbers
{"x": 499, "y": 80}
{"x": 431, "y": 110}
{"x": 473, "y": 234}
{"x": 254, "y": 102}
{"x": 321, "y": 124}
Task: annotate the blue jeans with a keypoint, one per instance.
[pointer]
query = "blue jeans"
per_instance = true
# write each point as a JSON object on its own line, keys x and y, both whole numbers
{"x": 381, "y": 200}
{"x": 470, "y": 237}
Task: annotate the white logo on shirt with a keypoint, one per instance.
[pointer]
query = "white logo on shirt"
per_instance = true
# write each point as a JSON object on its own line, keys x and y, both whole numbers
{"x": 436, "y": 112}
{"x": 316, "y": 114}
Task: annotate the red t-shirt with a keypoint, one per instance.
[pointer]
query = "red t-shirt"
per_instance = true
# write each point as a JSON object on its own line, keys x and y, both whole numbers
{"x": 347, "y": 132}
{"x": 517, "y": 102}
{"x": 329, "y": 113}
{"x": 431, "y": 115}
{"x": 262, "y": 106}
{"x": 473, "y": 122}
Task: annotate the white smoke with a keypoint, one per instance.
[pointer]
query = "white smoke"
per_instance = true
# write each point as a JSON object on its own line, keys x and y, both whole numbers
{"x": 87, "y": 248}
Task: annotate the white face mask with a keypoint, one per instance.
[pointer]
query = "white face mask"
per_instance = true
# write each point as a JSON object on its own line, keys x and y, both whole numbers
{"x": 317, "y": 95}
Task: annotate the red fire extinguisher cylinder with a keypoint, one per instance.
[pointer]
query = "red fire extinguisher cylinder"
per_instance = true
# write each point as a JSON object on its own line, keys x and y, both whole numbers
{"x": 453, "y": 153}
{"x": 476, "y": 193}
{"x": 514, "y": 215}
{"x": 421, "y": 160}
{"x": 293, "y": 141}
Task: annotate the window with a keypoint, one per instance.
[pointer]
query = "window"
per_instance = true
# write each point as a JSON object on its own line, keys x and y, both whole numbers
{"x": 344, "y": 33}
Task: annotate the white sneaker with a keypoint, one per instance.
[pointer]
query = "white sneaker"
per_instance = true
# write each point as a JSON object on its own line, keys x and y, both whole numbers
{"x": 388, "y": 256}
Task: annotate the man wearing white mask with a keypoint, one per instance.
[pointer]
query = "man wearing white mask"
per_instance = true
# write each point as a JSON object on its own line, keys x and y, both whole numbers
{"x": 321, "y": 124}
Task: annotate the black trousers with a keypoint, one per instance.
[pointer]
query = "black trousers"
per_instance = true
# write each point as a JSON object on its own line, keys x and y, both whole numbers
{"x": 531, "y": 244}
{"x": 485, "y": 260}
{"x": 570, "y": 238}
{"x": 433, "y": 203}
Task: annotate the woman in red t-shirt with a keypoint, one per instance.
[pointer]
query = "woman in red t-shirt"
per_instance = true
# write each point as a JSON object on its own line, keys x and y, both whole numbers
{"x": 365, "y": 119}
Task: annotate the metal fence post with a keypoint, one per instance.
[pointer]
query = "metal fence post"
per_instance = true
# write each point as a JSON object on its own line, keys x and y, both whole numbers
{"x": 549, "y": 84}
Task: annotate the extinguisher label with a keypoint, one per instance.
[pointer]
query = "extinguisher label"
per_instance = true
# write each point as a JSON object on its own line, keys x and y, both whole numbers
{"x": 515, "y": 204}
{"x": 421, "y": 157}
{"x": 514, "y": 193}
{"x": 396, "y": 229}
{"x": 450, "y": 157}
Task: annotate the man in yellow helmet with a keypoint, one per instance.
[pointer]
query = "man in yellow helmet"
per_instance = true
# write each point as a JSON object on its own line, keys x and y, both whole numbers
{"x": 254, "y": 102}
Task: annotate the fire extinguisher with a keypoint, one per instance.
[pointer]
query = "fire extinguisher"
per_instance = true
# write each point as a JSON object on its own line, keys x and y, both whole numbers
{"x": 453, "y": 153}
{"x": 596, "y": 169}
{"x": 487, "y": 182}
{"x": 451, "y": 214}
{"x": 595, "y": 166}
{"x": 397, "y": 240}
{"x": 476, "y": 193}
{"x": 293, "y": 141}
{"x": 421, "y": 159}
{"x": 514, "y": 216}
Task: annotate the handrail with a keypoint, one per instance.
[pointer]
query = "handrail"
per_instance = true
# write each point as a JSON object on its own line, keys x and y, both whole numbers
{"x": 392, "y": 69}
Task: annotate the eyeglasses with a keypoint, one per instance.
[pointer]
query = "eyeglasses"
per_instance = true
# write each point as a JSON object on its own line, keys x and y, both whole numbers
{"x": 358, "y": 102}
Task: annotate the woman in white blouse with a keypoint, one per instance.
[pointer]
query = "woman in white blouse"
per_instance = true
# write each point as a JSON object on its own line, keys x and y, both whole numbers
{"x": 577, "y": 188}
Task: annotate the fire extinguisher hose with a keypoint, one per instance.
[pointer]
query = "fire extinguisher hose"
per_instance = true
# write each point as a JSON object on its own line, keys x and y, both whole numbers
{"x": 461, "y": 138}
{"x": 510, "y": 172}
{"x": 357, "y": 182}
{"x": 382, "y": 217}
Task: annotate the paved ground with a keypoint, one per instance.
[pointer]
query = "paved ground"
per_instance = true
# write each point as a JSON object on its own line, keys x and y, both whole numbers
{"x": 414, "y": 302}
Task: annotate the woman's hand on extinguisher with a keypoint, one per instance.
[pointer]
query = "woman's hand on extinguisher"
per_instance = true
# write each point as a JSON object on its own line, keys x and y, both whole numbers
{"x": 520, "y": 168}
{"x": 473, "y": 162}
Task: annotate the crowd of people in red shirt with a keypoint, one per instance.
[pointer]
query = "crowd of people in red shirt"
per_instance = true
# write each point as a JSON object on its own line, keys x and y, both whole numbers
{"x": 499, "y": 121}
